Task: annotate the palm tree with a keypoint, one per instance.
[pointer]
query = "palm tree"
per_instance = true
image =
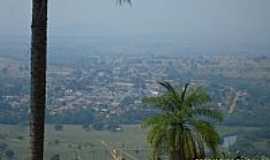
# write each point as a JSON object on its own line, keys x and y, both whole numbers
{"x": 183, "y": 128}
{"x": 38, "y": 77}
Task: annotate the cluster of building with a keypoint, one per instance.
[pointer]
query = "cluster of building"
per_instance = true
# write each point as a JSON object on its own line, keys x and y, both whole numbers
{"x": 114, "y": 86}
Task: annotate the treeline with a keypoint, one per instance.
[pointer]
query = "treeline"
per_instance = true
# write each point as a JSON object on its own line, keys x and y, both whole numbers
{"x": 245, "y": 142}
{"x": 80, "y": 117}
{"x": 253, "y": 117}
{"x": 257, "y": 117}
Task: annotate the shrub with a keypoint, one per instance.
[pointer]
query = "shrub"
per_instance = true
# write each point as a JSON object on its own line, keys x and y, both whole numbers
{"x": 55, "y": 157}
{"x": 10, "y": 154}
{"x": 58, "y": 127}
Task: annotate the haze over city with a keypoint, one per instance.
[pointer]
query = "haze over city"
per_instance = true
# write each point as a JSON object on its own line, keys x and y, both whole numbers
{"x": 206, "y": 24}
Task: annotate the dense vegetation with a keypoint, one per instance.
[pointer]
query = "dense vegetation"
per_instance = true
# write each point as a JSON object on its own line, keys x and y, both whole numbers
{"x": 251, "y": 110}
{"x": 184, "y": 126}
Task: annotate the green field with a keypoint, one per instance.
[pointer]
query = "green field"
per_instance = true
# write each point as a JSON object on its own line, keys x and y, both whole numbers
{"x": 73, "y": 141}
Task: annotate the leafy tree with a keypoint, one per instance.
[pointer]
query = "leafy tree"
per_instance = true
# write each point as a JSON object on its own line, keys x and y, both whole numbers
{"x": 86, "y": 127}
{"x": 58, "y": 127}
{"x": 183, "y": 128}
{"x": 3, "y": 146}
{"x": 10, "y": 154}
{"x": 98, "y": 126}
{"x": 55, "y": 157}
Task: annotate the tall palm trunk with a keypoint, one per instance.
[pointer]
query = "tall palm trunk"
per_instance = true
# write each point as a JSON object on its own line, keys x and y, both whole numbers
{"x": 38, "y": 77}
{"x": 175, "y": 155}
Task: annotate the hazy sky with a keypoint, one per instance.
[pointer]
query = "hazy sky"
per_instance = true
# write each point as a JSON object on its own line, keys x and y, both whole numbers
{"x": 201, "y": 20}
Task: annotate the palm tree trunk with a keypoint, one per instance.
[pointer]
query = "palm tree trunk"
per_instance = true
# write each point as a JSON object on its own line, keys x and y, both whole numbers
{"x": 38, "y": 77}
{"x": 175, "y": 155}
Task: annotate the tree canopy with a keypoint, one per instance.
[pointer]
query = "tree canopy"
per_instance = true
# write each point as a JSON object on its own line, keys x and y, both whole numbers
{"x": 183, "y": 129}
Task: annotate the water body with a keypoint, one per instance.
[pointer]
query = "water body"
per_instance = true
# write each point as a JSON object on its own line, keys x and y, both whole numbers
{"x": 229, "y": 141}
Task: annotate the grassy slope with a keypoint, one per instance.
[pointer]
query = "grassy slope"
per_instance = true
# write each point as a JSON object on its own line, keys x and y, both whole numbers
{"x": 74, "y": 140}
{"x": 71, "y": 140}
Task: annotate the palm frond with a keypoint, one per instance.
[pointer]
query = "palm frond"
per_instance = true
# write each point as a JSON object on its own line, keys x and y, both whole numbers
{"x": 173, "y": 96}
{"x": 157, "y": 102}
{"x": 155, "y": 120}
{"x": 183, "y": 95}
{"x": 167, "y": 102}
{"x": 156, "y": 138}
{"x": 197, "y": 96}
{"x": 181, "y": 128}
{"x": 209, "y": 135}
{"x": 193, "y": 146}
{"x": 168, "y": 86}
{"x": 197, "y": 142}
